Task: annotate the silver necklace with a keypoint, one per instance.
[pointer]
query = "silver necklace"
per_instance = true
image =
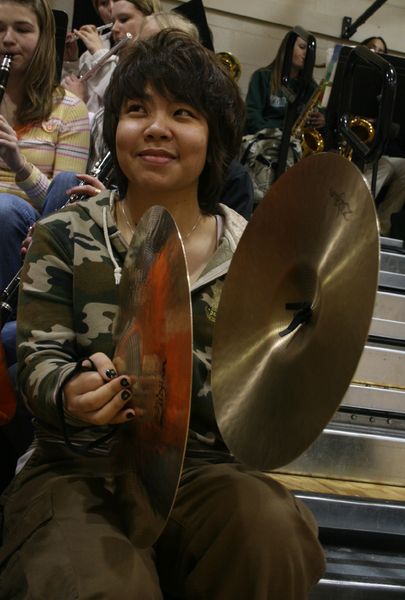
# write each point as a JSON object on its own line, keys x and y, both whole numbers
{"x": 132, "y": 228}
{"x": 127, "y": 221}
{"x": 194, "y": 227}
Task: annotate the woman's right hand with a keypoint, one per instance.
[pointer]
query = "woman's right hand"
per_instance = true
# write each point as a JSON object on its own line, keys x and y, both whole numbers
{"x": 71, "y": 48}
{"x": 9, "y": 150}
{"x": 74, "y": 84}
{"x": 90, "y": 38}
{"x": 101, "y": 396}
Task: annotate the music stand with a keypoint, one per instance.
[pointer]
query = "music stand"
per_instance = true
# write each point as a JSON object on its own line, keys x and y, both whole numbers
{"x": 366, "y": 93}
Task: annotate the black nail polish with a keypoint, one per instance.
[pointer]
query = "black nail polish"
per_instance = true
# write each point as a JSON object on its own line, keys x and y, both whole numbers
{"x": 130, "y": 415}
{"x": 111, "y": 373}
{"x": 124, "y": 382}
{"x": 125, "y": 394}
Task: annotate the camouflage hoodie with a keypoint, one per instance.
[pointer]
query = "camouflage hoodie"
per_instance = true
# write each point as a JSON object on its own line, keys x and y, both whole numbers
{"x": 68, "y": 300}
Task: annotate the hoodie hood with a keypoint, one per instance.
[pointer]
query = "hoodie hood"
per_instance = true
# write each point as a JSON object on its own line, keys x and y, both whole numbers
{"x": 100, "y": 209}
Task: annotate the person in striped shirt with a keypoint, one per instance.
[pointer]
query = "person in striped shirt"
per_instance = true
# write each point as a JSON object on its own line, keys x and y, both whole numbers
{"x": 44, "y": 130}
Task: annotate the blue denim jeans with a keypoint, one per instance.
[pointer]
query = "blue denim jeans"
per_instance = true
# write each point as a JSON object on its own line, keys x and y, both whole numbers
{"x": 16, "y": 217}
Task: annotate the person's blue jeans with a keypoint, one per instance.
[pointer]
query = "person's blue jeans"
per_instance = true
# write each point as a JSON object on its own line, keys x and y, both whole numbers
{"x": 16, "y": 217}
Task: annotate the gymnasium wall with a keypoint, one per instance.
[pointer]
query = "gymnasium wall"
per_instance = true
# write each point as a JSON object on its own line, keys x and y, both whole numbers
{"x": 252, "y": 30}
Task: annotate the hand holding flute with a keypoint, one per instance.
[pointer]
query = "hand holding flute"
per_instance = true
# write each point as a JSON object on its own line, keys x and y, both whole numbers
{"x": 90, "y": 37}
{"x": 76, "y": 84}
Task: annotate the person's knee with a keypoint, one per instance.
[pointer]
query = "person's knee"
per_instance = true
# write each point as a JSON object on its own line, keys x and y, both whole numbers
{"x": 15, "y": 213}
{"x": 57, "y": 196}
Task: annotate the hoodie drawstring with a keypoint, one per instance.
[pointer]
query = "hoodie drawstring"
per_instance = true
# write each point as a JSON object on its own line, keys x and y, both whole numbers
{"x": 117, "y": 268}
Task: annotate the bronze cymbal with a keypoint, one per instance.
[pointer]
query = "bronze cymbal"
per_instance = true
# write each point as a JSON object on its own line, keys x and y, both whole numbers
{"x": 308, "y": 259}
{"x": 153, "y": 334}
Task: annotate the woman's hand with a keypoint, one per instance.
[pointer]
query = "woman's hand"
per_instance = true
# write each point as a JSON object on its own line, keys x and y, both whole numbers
{"x": 316, "y": 119}
{"x": 26, "y": 243}
{"x": 100, "y": 397}
{"x": 71, "y": 48}
{"x": 9, "y": 150}
{"x": 92, "y": 186}
{"x": 76, "y": 86}
{"x": 90, "y": 38}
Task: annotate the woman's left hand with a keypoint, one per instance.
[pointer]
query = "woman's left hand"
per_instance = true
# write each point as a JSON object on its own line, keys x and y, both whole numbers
{"x": 92, "y": 186}
{"x": 9, "y": 150}
{"x": 316, "y": 119}
{"x": 76, "y": 86}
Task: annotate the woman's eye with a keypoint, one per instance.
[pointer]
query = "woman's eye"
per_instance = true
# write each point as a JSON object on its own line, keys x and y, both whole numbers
{"x": 136, "y": 107}
{"x": 184, "y": 112}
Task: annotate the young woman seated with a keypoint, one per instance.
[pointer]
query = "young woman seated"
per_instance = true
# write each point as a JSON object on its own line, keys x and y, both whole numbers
{"x": 233, "y": 532}
{"x": 266, "y": 104}
{"x": 43, "y": 129}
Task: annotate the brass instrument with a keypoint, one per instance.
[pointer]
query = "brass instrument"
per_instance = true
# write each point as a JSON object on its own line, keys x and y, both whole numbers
{"x": 4, "y": 73}
{"x": 364, "y": 129}
{"x": 311, "y": 140}
{"x": 231, "y": 63}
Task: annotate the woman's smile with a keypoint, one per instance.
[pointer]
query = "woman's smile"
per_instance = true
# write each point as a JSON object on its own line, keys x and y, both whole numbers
{"x": 157, "y": 156}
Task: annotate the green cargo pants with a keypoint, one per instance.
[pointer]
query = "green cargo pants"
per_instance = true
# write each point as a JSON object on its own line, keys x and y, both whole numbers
{"x": 233, "y": 534}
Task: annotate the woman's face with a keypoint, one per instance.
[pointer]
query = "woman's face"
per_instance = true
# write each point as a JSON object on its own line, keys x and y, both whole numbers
{"x": 299, "y": 53}
{"x": 376, "y": 45}
{"x": 105, "y": 10}
{"x": 126, "y": 18}
{"x": 19, "y": 34}
{"x": 161, "y": 145}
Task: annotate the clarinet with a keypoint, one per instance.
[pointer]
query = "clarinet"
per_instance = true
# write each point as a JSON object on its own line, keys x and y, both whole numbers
{"x": 4, "y": 73}
{"x": 104, "y": 171}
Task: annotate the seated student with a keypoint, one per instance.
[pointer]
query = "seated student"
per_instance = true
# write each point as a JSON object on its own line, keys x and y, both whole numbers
{"x": 43, "y": 129}
{"x": 376, "y": 44}
{"x": 237, "y": 190}
{"x": 391, "y": 169}
{"x": 266, "y": 108}
{"x": 266, "y": 104}
{"x": 233, "y": 532}
{"x": 127, "y": 17}
{"x": 97, "y": 45}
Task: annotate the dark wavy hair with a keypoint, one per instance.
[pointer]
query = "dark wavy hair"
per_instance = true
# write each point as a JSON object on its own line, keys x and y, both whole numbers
{"x": 375, "y": 37}
{"x": 276, "y": 64}
{"x": 180, "y": 68}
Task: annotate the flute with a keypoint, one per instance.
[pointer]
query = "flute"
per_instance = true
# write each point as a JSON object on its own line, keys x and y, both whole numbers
{"x": 99, "y": 30}
{"x": 91, "y": 72}
{"x": 104, "y": 171}
{"x": 5, "y": 68}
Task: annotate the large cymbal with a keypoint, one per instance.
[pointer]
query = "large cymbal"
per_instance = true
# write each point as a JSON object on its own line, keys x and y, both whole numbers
{"x": 153, "y": 335}
{"x": 310, "y": 253}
